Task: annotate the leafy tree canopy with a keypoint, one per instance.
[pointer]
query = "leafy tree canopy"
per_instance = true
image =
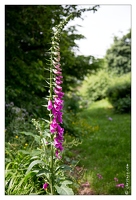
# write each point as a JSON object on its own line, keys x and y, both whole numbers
{"x": 28, "y": 31}
{"x": 118, "y": 57}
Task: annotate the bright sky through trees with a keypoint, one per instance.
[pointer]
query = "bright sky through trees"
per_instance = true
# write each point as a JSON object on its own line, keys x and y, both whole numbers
{"x": 100, "y": 27}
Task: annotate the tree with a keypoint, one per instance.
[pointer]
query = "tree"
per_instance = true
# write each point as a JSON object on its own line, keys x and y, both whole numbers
{"x": 118, "y": 57}
{"x": 28, "y": 31}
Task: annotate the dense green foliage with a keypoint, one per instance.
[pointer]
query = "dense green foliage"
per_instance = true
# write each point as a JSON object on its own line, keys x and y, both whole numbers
{"x": 94, "y": 86}
{"x": 118, "y": 56}
{"x": 119, "y": 93}
{"x": 113, "y": 80}
{"x": 28, "y": 32}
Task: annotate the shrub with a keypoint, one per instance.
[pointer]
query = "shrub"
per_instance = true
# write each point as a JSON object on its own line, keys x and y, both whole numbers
{"x": 94, "y": 86}
{"x": 119, "y": 93}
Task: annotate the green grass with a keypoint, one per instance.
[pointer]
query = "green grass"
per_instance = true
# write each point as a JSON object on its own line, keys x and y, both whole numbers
{"x": 107, "y": 150}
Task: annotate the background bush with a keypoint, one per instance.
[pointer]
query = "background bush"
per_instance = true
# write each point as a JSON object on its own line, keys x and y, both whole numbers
{"x": 95, "y": 86}
{"x": 119, "y": 93}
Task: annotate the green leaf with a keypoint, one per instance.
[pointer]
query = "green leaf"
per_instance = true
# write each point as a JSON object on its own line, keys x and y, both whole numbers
{"x": 66, "y": 182}
{"x": 33, "y": 164}
{"x": 42, "y": 172}
{"x": 63, "y": 167}
{"x": 28, "y": 133}
{"x": 36, "y": 137}
{"x": 45, "y": 119}
{"x": 64, "y": 190}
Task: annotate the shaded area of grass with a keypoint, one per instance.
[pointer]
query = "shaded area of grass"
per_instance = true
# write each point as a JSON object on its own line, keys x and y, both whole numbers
{"x": 106, "y": 151}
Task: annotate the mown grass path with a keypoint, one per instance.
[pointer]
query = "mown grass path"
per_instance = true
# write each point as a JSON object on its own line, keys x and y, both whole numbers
{"x": 106, "y": 153}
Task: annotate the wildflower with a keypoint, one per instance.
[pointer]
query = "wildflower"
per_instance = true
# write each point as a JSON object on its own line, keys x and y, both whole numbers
{"x": 56, "y": 71}
{"x": 58, "y": 144}
{"x": 50, "y": 106}
{"x": 16, "y": 136}
{"x": 58, "y": 87}
{"x": 57, "y": 154}
{"x": 58, "y": 82}
{"x": 58, "y": 67}
{"x": 86, "y": 184}
{"x": 110, "y": 118}
{"x": 53, "y": 126}
{"x": 115, "y": 179}
{"x": 45, "y": 185}
{"x": 99, "y": 176}
{"x": 120, "y": 185}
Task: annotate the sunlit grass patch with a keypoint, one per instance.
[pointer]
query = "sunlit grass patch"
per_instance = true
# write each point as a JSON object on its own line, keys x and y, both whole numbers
{"x": 108, "y": 150}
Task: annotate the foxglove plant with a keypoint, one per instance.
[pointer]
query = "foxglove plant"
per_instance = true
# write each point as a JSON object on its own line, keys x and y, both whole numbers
{"x": 52, "y": 137}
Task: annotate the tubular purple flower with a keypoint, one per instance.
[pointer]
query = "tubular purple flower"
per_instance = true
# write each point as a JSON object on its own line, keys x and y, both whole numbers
{"x": 57, "y": 154}
{"x": 57, "y": 107}
{"x": 53, "y": 126}
{"x": 45, "y": 185}
{"x": 58, "y": 87}
{"x": 58, "y": 102}
{"x": 59, "y": 77}
{"x": 58, "y": 68}
{"x": 50, "y": 106}
{"x": 61, "y": 94}
{"x": 54, "y": 112}
{"x": 58, "y": 82}
{"x": 60, "y": 137}
{"x": 56, "y": 71}
{"x": 59, "y": 129}
{"x": 59, "y": 118}
{"x": 58, "y": 144}
{"x": 56, "y": 91}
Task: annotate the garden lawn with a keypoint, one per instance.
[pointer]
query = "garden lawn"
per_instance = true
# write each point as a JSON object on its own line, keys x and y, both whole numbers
{"x": 106, "y": 152}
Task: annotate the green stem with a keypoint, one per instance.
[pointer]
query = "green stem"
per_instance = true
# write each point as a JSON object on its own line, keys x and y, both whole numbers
{"x": 52, "y": 172}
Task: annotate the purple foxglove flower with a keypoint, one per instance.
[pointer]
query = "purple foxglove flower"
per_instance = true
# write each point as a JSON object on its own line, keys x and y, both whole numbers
{"x": 58, "y": 87}
{"x": 59, "y": 118}
{"x": 58, "y": 68}
{"x": 45, "y": 185}
{"x": 60, "y": 94}
{"x": 57, "y": 107}
{"x": 56, "y": 72}
{"x": 58, "y": 144}
{"x": 60, "y": 137}
{"x": 50, "y": 106}
{"x": 56, "y": 91}
{"x": 59, "y": 77}
{"x": 53, "y": 126}
{"x": 57, "y": 154}
{"x": 54, "y": 112}
{"x": 60, "y": 147}
{"x": 58, "y": 101}
{"x": 58, "y": 82}
{"x": 60, "y": 130}
{"x": 52, "y": 129}
{"x": 54, "y": 122}
{"x": 57, "y": 59}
